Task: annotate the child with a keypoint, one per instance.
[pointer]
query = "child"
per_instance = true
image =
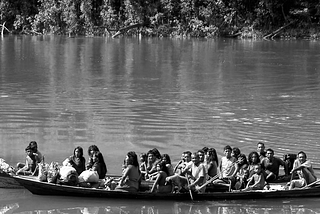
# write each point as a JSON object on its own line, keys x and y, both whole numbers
{"x": 31, "y": 163}
{"x": 258, "y": 179}
{"x": 227, "y": 167}
{"x": 143, "y": 164}
{"x": 160, "y": 185}
{"x": 167, "y": 160}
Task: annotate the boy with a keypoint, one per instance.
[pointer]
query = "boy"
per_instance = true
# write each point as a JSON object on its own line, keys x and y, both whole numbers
{"x": 31, "y": 163}
{"x": 257, "y": 179}
{"x": 227, "y": 167}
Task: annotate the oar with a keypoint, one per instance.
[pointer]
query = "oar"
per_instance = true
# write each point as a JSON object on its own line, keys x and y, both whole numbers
{"x": 208, "y": 181}
{"x": 190, "y": 192}
{"x": 309, "y": 185}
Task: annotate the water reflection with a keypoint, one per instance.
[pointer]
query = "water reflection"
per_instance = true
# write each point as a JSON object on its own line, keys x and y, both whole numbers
{"x": 147, "y": 207}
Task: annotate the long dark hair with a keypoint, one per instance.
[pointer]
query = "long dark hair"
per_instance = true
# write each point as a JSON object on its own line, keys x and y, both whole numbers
{"x": 163, "y": 167}
{"x": 133, "y": 156}
{"x": 102, "y": 163}
{"x": 80, "y": 149}
{"x": 92, "y": 148}
{"x": 250, "y": 157}
{"x": 167, "y": 157}
{"x": 213, "y": 155}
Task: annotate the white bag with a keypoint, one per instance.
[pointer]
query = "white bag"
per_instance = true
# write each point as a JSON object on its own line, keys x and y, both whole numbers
{"x": 89, "y": 176}
{"x": 65, "y": 171}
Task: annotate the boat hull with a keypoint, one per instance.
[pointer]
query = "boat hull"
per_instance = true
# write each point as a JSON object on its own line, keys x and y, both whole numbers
{"x": 44, "y": 188}
{"x": 7, "y": 181}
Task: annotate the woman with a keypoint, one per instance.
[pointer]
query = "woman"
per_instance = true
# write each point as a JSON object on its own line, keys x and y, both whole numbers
{"x": 304, "y": 169}
{"x": 76, "y": 160}
{"x": 91, "y": 150}
{"x": 129, "y": 181}
{"x": 160, "y": 185}
{"x": 211, "y": 162}
{"x": 167, "y": 160}
{"x": 98, "y": 165}
{"x": 253, "y": 159}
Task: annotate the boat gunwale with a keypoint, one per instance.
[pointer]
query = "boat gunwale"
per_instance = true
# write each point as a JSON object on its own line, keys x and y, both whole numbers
{"x": 45, "y": 188}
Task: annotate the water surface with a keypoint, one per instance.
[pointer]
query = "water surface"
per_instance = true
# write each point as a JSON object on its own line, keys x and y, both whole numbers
{"x": 174, "y": 94}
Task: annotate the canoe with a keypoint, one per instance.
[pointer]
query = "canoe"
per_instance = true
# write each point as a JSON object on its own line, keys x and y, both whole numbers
{"x": 44, "y": 188}
{"x": 7, "y": 181}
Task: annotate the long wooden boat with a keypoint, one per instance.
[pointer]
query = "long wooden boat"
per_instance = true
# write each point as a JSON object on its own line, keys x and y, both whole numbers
{"x": 44, "y": 188}
{"x": 7, "y": 181}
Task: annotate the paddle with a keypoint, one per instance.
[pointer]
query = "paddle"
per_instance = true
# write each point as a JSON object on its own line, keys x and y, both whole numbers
{"x": 190, "y": 192}
{"x": 208, "y": 182}
{"x": 317, "y": 181}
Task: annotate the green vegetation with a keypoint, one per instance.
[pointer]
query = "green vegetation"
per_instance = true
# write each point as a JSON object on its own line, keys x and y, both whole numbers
{"x": 189, "y": 18}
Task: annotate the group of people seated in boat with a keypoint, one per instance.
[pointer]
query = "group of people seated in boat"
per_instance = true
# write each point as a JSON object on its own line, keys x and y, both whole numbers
{"x": 195, "y": 171}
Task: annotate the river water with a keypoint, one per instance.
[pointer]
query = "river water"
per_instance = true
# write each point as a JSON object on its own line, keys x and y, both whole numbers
{"x": 174, "y": 94}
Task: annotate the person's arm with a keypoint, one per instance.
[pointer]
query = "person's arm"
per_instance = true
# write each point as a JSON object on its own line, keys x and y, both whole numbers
{"x": 186, "y": 169}
{"x": 156, "y": 182}
{"x": 249, "y": 181}
{"x": 24, "y": 168}
{"x": 125, "y": 175}
{"x": 177, "y": 166}
{"x": 285, "y": 167}
{"x": 237, "y": 168}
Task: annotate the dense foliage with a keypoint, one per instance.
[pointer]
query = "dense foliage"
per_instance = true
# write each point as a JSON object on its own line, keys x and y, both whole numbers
{"x": 196, "y": 18}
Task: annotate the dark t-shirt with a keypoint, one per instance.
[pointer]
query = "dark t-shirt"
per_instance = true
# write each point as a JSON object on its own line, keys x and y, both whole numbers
{"x": 273, "y": 165}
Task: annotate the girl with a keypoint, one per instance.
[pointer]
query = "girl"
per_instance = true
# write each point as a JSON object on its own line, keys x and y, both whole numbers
{"x": 253, "y": 159}
{"x": 160, "y": 185}
{"x": 91, "y": 150}
{"x": 167, "y": 160}
{"x": 211, "y": 162}
{"x": 98, "y": 165}
{"x": 76, "y": 160}
{"x": 129, "y": 181}
{"x": 143, "y": 164}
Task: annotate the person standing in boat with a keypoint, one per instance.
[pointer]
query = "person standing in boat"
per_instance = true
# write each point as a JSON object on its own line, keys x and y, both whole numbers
{"x": 261, "y": 150}
{"x": 76, "y": 160}
{"x": 303, "y": 168}
{"x": 130, "y": 178}
{"x": 271, "y": 165}
{"x": 29, "y": 168}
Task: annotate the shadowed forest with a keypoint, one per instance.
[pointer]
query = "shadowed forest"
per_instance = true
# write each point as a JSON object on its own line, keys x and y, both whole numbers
{"x": 163, "y": 18}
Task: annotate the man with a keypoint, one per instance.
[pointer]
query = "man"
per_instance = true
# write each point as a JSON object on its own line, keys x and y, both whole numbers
{"x": 196, "y": 172}
{"x": 304, "y": 169}
{"x": 271, "y": 165}
{"x": 261, "y": 150}
{"x": 227, "y": 167}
